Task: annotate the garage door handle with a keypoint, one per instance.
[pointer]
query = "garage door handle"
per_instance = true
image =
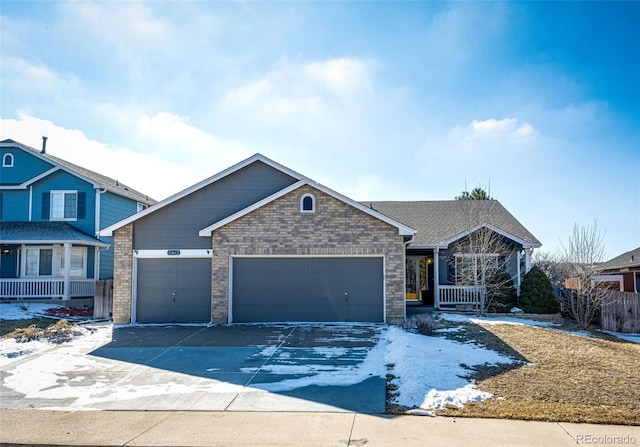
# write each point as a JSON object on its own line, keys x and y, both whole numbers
{"x": 346, "y": 296}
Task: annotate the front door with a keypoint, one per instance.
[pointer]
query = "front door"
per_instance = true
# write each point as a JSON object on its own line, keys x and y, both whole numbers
{"x": 419, "y": 280}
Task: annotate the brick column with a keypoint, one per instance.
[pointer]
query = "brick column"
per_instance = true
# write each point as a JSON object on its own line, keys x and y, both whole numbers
{"x": 122, "y": 274}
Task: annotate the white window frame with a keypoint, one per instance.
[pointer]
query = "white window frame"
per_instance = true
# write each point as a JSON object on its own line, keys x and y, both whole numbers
{"x": 141, "y": 207}
{"x": 61, "y": 261}
{"x": 64, "y": 195}
{"x": 313, "y": 204}
{"x": 7, "y": 161}
{"x": 38, "y": 248}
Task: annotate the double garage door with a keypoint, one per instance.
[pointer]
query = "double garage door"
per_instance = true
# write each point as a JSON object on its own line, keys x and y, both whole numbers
{"x": 307, "y": 289}
{"x": 263, "y": 290}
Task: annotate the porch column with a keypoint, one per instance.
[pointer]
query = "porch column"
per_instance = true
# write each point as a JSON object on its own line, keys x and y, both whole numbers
{"x": 527, "y": 259}
{"x": 518, "y": 278}
{"x": 436, "y": 278}
{"x": 67, "y": 271}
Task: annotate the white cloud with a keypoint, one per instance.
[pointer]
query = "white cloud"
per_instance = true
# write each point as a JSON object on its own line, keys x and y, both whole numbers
{"x": 126, "y": 28}
{"x": 343, "y": 76}
{"x": 301, "y": 96}
{"x": 504, "y": 129}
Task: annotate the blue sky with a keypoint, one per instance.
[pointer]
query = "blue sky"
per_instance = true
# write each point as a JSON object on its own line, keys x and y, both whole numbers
{"x": 377, "y": 100}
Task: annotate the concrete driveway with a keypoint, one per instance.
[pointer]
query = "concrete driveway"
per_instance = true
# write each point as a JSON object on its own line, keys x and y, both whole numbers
{"x": 225, "y": 368}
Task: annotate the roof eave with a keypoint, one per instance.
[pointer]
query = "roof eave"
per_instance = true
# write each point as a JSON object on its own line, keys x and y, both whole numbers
{"x": 403, "y": 230}
{"x": 108, "y": 231}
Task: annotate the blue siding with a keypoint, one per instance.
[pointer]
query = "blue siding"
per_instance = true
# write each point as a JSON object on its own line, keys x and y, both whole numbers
{"x": 114, "y": 208}
{"x": 177, "y": 225}
{"x": 62, "y": 180}
{"x": 25, "y": 167}
{"x": 106, "y": 259}
{"x": 15, "y": 205}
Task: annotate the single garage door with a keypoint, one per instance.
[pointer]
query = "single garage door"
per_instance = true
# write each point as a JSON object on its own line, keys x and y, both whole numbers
{"x": 308, "y": 289}
{"x": 173, "y": 291}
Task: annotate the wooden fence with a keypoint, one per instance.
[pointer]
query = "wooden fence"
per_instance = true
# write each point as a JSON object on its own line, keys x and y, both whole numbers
{"x": 621, "y": 313}
{"x": 103, "y": 299}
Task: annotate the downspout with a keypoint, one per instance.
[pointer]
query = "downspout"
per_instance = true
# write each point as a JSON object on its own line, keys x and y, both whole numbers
{"x": 404, "y": 282}
{"x": 30, "y": 203}
{"x": 96, "y": 261}
{"x": 96, "y": 229}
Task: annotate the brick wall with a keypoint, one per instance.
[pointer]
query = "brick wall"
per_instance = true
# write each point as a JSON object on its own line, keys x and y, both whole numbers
{"x": 279, "y": 228}
{"x": 122, "y": 279}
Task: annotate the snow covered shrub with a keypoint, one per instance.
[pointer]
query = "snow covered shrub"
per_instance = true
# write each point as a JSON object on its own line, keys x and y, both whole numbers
{"x": 424, "y": 324}
{"x": 501, "y": 292}
{"x": 536, "y": 293}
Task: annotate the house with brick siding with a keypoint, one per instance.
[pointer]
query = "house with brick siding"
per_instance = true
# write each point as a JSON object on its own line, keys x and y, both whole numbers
{"x": 259, "y": 242}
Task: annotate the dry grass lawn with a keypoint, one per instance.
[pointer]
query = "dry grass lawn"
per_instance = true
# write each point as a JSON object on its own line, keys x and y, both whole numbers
{"x": 566, "y": 378}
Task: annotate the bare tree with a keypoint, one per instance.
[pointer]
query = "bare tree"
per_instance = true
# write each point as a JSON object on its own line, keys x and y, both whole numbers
{"x": 580, "y": 257}
{"x": 482, "y": 255}
{"x": 552, "y": 266}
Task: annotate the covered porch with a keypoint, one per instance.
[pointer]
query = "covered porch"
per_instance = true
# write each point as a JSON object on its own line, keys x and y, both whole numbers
{"x": 47, "y": 261}
{"x": 432, "y": 281}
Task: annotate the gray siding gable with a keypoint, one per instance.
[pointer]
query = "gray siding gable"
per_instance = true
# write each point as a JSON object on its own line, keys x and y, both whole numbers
{"x": 177, "y": 225}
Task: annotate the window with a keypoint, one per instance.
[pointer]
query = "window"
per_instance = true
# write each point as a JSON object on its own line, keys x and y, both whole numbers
{"x": 64, "y": 205}
{"x": 307, "y": 204}
{"x": 471, "y": 267}
{"x": 7, "y": 161}
{"x": 140, "y": 207}
{"x": 39, "y": 262}
{"x": 78, "y": 266}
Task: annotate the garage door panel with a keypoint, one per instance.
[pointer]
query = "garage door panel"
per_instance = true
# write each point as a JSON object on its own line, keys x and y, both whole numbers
{"x": 308, "y": 289}
{"x": 288, "y": 278}
{"x": 256, "y": 314}
{"x": 173, "y": 291}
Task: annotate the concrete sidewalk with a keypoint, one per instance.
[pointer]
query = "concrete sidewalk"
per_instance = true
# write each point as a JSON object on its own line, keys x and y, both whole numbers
{"x": 159, "y": 428}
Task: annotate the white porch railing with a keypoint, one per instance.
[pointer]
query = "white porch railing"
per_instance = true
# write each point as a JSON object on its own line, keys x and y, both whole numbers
{"x": 451, "y": 296}
{"x": 32, "y": 288}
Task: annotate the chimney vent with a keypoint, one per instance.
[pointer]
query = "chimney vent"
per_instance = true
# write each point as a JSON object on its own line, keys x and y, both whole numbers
{"x": 44, "y": 145}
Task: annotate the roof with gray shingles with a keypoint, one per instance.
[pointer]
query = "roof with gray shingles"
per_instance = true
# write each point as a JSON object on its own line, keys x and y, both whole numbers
{"x": 440, "y": 221}
{"x": 102, "y": 180}
{"x": 628, "y": 259}
{"x": 44, "y": 232}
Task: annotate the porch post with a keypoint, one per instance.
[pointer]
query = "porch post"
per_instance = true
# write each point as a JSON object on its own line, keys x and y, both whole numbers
{"x": 436, "y": 278}
{"x": 67, "y": 271}
{"x": 527, "y": 260}
{"x": 519, "y": 273}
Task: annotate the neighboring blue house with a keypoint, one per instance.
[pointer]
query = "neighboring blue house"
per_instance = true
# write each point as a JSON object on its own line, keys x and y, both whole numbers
{"x": 50, "y": 212}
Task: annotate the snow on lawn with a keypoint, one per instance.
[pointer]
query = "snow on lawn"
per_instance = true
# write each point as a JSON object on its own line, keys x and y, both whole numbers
{"x": 428, "y": 370}
{"x": 632, "y": 338}
{"x": 457, "y": 318}
{"x": 25, "y": 311}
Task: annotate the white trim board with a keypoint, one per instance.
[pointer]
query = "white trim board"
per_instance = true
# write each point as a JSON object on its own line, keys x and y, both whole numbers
{"x": 174, "y": 253}
{"x": 501, "y": 232}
